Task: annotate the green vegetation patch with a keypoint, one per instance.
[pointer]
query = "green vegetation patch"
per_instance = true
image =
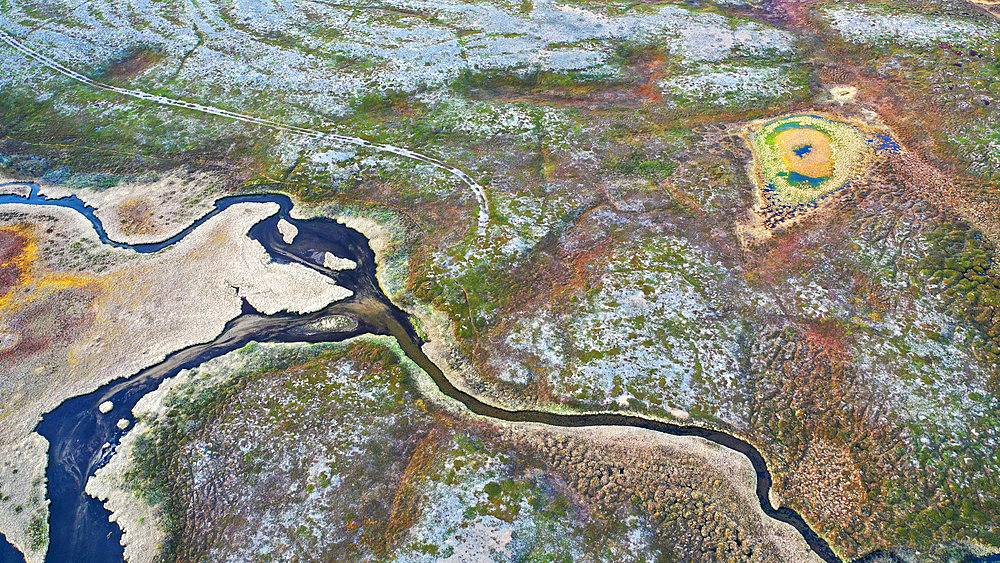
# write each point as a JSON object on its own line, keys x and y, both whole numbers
{"x": 38, "y": 531}
{"x": 979, "y": 144}
{"x": 961, "y": 267}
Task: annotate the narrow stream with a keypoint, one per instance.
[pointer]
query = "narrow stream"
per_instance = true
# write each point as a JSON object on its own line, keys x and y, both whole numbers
{"x": 82, "y": 440}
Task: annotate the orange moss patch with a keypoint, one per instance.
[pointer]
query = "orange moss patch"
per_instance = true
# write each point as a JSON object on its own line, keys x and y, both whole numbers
{"x": 652, "y": 68}
{"x": 405, "y": 504}
{"x": 831, "y": 472}
{"x": 14, "y": 257}
{"x": 806, "y": 151}
{"x": 21, "y": 282}
{"x": 45, "y": 325}
{"x": 789, "y": 255}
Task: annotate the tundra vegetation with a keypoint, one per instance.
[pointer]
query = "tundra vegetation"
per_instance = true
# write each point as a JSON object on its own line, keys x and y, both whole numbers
{"x": 252, "y": 456}
{"x": 776, "y": 219}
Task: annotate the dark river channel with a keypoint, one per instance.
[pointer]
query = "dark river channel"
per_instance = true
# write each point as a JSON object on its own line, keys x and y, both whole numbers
{"x": 82, "y": 439}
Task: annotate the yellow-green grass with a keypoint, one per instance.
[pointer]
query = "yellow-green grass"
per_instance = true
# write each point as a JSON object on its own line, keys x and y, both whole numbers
{"x": 800, "y": 158}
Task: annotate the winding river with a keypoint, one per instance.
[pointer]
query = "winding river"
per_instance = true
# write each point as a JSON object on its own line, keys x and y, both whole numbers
{"x": 82, "y": 440}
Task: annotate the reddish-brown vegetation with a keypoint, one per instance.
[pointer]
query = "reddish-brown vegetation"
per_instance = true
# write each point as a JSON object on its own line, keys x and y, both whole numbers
{"x": 13, "y": 245}
{"x": 135, "y": 62}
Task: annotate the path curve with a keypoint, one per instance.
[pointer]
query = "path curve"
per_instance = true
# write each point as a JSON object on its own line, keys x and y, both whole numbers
{"x": 462, "y": 176}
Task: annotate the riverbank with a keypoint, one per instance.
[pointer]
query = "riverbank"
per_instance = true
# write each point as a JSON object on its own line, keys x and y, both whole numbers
{"x": 692, "y": 461}
{"x": 146, "y": 210}
{"x": 119, "y": 312}
{"x": 379, "y": 316}
{"x": 454, "y": 384}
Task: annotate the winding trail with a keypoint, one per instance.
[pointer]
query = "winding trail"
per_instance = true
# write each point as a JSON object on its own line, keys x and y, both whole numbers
{"x": 462, "y": 176}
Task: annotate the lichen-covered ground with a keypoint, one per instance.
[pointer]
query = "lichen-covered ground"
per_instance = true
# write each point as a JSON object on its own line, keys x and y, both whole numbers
{"x": 279, "y": 453}
{"x": 634, "y": 260}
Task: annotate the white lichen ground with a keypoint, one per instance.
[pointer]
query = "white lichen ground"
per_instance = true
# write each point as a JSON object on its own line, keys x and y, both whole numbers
{"x": 652, "y": 331}
{"x": 474, "y": 510}
{"x": 730, "y": 84}
{"x": 401, "y": 45}
{"x": 866, "y": 24}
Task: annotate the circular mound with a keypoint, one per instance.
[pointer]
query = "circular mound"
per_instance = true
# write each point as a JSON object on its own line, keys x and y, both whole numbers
{"x": 801, "y": 158}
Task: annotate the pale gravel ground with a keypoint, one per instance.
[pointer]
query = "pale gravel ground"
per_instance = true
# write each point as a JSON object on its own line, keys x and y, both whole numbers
{"x": 288, "y": 231}
{"x": 28, "y": 456}
{"x": 11, "y": 186}
{"x": 178, "y": 198}
{"x": 148, "y": 307}
{"x": 332, "y": 262}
